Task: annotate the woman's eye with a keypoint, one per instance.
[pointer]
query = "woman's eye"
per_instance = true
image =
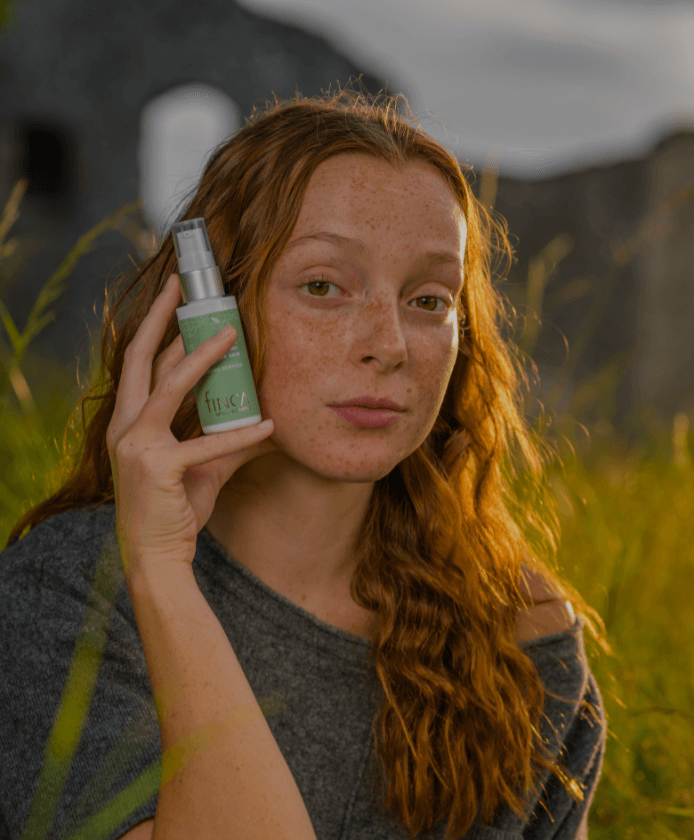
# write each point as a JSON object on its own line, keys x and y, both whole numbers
{"x": 314, "y": 283}
{"x": 429, "y": 298}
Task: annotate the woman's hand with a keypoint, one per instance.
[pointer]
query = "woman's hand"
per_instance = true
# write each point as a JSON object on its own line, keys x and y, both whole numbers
{"x": 165, "y": 490}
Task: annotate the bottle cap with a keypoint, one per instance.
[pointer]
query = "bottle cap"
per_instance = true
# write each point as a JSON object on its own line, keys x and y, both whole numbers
{"x": 198, "y": 273}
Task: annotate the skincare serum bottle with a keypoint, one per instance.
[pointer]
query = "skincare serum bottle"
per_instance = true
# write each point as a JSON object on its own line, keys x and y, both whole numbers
{"x": 225, "y": 396}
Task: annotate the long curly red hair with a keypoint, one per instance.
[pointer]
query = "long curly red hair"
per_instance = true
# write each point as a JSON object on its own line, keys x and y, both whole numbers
{"x": 441, "y": 548}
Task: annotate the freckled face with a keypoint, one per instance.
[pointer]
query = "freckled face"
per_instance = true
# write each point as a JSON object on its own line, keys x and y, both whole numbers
{"x": 379, "y": 321}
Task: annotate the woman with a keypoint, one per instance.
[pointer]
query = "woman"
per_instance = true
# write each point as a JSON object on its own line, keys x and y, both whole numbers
{"x": 345, "y": 630}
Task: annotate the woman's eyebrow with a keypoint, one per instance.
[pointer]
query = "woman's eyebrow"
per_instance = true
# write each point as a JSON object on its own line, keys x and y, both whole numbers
{"x": 356, "y": 245}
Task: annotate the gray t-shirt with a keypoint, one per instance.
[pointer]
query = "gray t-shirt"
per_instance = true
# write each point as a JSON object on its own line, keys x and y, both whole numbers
{"x": 63, "y": 780}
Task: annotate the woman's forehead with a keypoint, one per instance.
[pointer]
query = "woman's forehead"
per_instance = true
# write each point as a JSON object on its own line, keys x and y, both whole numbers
{"x": 352, "y": 193}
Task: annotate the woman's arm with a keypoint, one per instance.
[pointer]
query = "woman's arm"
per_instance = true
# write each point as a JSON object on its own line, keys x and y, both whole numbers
{"x": 223, "y": 774}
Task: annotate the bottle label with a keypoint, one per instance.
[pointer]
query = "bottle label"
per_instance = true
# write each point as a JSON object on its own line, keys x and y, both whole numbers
{"x": 227, "y": 391}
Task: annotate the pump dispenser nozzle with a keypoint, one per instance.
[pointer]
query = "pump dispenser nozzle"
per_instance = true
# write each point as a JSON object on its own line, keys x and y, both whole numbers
{"x": 199, "y": 275}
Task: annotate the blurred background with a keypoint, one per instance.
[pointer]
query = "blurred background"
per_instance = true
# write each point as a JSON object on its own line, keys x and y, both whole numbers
{"x": 577, "y": 120}
{"x": 576, "y": 116}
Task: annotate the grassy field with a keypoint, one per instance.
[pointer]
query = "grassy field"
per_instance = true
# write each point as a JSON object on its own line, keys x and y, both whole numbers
{"x": 627, "y": 545}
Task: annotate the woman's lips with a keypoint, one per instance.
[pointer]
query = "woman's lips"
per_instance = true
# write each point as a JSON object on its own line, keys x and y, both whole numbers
{"x": 369, "y": 418}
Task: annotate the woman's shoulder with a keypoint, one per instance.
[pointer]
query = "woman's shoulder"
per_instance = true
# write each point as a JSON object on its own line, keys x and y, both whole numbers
{"x": 545, "y": 612}
{"x": 59, "y": 544}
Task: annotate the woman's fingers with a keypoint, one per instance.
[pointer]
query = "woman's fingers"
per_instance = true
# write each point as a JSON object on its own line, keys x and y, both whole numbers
{"x": 136, "y": 375}
{"x": 167, "y": 360}
{"x": 167, "y": 395}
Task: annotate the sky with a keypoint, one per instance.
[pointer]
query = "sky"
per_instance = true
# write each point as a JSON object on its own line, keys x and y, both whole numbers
{"x": 531, "y": 88}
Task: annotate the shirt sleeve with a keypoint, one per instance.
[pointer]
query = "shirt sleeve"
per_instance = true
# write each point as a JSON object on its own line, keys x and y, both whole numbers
{"x": 80, "y": 750}
{"x": 557, "y": 815}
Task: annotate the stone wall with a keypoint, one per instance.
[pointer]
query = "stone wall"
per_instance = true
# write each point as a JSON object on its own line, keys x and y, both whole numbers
{"x": 611, "y": 249}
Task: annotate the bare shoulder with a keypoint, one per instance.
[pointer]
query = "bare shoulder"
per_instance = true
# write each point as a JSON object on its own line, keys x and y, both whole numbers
{"x": 141, "y": 831}
{"x": 545, "y": 612}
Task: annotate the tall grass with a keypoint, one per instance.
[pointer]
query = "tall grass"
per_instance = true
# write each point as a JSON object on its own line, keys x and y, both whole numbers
{"x": 627, "y": 545}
